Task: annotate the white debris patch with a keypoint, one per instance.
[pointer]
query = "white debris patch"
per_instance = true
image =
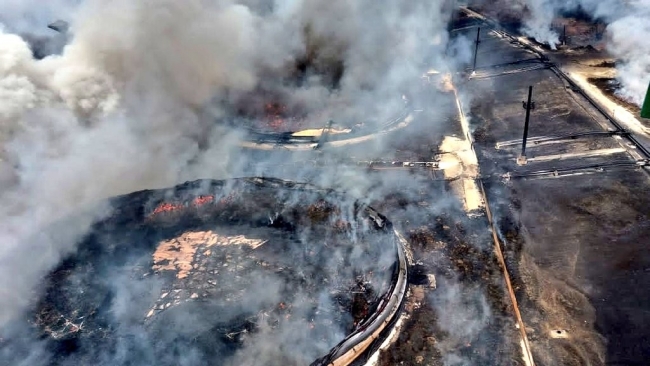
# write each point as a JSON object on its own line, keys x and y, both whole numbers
{"x": 178, "y": 254}
{"x": 459, "y": 164}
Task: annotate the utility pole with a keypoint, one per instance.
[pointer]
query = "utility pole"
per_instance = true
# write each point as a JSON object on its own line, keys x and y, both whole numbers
{"x": 528, "y": 106}
{"x": 324, "y": 135}
{"x": 564, "y": 35}
{"x": 478, "y": 35}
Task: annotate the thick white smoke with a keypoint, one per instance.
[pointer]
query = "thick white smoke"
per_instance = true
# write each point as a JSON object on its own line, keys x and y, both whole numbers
{"x": 628, "y": 29}
{"x": 471, "y": 313}
{"x": 628, "y": 42}
{"x": 111, "y": 115}
{"x": 25, "y": 16}
{"x": 538, "y": 24}
{"x": 123, "y": 107}
{"x": 541, "y": 14}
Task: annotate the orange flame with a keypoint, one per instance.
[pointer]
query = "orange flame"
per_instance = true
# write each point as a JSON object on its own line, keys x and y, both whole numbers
{"x": 274, "y": 113}
{"x": 202, "y": 200}
{"x": 169, "y": 206}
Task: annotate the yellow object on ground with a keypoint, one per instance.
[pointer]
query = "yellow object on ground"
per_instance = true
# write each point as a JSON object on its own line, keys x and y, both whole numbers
{"x": 317, "y": 132}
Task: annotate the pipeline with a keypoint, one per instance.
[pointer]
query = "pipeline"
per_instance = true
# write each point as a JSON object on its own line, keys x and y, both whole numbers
{"x": 568, "y": 136}
{"x": 599, "y": 167}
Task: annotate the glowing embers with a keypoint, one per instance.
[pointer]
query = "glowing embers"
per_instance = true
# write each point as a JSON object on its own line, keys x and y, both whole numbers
{"x": 170, "y": 206}
{"x": 277, "y": 117}
{"x": 197, "y": 202}
{"x": 202, "y": 200}
{"x": 167, "y": 207}
{"x": 269, "y": 111}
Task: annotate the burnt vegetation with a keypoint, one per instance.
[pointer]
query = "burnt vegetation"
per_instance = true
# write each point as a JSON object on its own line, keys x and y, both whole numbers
{"x": 450, "y": 249}
{"x": 295, "y": 266}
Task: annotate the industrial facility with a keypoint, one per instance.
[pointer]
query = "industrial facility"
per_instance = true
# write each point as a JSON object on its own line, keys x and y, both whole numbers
{"x": 324, "y": 183}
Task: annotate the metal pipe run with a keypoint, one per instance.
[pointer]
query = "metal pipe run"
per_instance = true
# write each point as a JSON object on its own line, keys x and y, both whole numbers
{"x": 569, "y": 136}
{"x": 600, "y": 167}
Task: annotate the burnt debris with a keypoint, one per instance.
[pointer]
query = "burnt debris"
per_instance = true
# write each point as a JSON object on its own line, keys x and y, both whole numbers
{"x": 211, "y": 267}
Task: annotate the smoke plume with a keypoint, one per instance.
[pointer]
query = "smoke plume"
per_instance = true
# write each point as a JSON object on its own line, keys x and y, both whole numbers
{"x": 627, "y": 41}
{"x": 627, "y": 31}
{"x": 541, "y": 14}
{"x": 471, "y": 315}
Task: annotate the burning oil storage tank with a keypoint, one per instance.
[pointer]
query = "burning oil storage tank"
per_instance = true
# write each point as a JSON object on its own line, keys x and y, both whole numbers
{"x": 245, "y": 271}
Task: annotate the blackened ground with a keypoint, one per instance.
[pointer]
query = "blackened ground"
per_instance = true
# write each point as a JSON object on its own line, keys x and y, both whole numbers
{"x": 509, "y": 16}
{"x": 582, "y": 270}
{"x": 449, "y": 323}
{"x": 468, "y": 316}
{"x": 574, "y": 245}
{"x": 109, "y": 304}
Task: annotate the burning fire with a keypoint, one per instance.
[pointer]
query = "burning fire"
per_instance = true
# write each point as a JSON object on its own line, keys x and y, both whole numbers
{"x": 202, "y": 200}
{"x": 276, "y": 117}
{"x": 166, "y": 207}
{"x": 199, "y": 201}
{"x": 274, "y": 114}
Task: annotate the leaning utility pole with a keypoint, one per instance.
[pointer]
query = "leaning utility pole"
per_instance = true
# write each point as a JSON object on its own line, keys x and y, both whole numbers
{"x": 478, "y": 34}
{"x": 324, "y": 135}
{"x": 528, "y": 106}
